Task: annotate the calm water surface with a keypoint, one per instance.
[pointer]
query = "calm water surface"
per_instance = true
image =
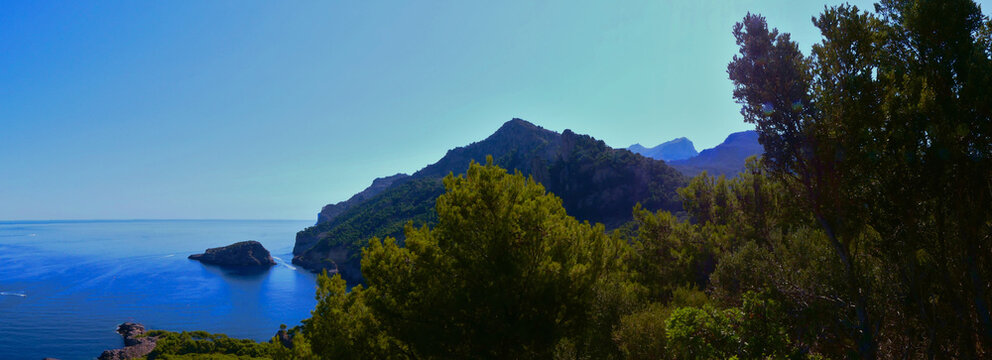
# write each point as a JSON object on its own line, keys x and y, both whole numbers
{"x": 64, "y": 286}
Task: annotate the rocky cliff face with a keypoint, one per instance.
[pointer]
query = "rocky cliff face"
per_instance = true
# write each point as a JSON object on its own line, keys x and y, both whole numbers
{"x": 135, "y": 346}
{"x": 241, "y": 254}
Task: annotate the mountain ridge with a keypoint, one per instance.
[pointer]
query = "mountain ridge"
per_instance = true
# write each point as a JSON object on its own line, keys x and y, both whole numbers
{"x": 727, "y": 158}
{"x": 595, "y": 182}
{"x": 329, "y": 211}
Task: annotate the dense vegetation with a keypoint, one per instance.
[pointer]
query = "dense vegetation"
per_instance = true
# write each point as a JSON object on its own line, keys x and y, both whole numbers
{"x": 203, "y": 345}
{"x": 506, "y": 273}
{"x": 341, "y": 240}
{"x": 600, "y": 184}
{"x": 884, "y": 136}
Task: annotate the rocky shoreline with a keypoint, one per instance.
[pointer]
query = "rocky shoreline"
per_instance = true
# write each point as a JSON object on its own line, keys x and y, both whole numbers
{"x": 135, "y": 345}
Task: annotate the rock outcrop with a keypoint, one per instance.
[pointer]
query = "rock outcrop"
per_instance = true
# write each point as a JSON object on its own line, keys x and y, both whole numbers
{"x": 135, "y": 345}
{"x": 240, "y": 254}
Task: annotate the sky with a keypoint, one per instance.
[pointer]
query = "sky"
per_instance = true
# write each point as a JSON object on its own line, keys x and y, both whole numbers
{"x": 269, "y": 110}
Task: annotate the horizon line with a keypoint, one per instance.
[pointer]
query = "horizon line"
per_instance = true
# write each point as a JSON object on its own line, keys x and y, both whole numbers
{"x": 19, "y": 221}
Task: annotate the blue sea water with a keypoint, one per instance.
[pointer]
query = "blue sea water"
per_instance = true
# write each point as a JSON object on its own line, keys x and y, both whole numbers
{"x": 65, "y": 285}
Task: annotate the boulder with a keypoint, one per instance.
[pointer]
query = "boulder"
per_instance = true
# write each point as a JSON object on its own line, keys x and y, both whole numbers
{"x": 240, "y": 254}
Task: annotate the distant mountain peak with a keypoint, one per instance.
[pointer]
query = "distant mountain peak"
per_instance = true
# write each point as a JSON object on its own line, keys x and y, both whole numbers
{"x": 725, "y": 159}
{"x": 518, "y": 123}
{"x": 748, "y": 136}
{"x": 675, "y": 149}
{"x": 517, "y": 128}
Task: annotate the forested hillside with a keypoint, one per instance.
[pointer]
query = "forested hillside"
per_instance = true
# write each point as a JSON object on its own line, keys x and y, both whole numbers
{"x": 596, "y": 183}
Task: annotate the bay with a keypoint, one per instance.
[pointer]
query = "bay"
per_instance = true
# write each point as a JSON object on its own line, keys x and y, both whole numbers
{"x": 65, "y": 285}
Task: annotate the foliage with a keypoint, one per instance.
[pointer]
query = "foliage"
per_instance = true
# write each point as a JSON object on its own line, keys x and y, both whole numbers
{"x": 669, "y": 254}
{"x": 641, "y": 335}
{"x": 383, "y": 215}
{"x": 702, "y": 333}
{"x": 343, "y": 325}
{"x": 203, "y": 345}
{"x": 504, "y": 274}
{"x": 757, "y": 330}
{"x": 299, "y": 348}
{"x": 600, "y": 184}
{"x": 883, "y": 134}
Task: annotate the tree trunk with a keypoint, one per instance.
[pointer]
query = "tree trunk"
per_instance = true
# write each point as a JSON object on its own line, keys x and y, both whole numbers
{"x": 867, "y": 349}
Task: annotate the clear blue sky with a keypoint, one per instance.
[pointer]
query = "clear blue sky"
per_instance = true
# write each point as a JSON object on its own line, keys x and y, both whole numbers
{"x": 271, "y": 109}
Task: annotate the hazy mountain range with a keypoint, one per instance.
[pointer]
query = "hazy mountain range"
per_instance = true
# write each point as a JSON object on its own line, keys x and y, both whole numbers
{"x": 725, "y": 159}
{"x": 677, "y": 149}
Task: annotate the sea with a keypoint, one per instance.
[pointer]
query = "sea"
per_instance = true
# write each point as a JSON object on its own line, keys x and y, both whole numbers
{"x": 66, "y": 285}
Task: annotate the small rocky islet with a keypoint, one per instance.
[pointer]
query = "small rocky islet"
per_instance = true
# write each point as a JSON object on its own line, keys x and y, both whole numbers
{"x": 244, "y": 254}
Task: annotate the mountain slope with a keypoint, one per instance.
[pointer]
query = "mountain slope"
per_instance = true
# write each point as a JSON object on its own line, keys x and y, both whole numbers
{"x": 677, "y": 149}
{"x": 595, "y": 182}
{"x": 328, "y": 212}
{"x": 725, "y": 159}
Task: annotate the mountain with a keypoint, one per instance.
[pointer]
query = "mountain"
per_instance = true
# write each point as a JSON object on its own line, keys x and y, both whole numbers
{"x": 725, "y": 159}
{"x": 328, "y": 212}
{"x": 677, "y": 149}
{"x": 595, "y": 182}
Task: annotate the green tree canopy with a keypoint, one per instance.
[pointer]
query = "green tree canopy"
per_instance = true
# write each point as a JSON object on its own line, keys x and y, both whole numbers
{"x": 884, "y": 132}
{"x": 505, "y": 273}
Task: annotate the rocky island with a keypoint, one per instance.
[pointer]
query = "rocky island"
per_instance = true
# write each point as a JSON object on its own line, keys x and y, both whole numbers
{"x": 241, "y": 254}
